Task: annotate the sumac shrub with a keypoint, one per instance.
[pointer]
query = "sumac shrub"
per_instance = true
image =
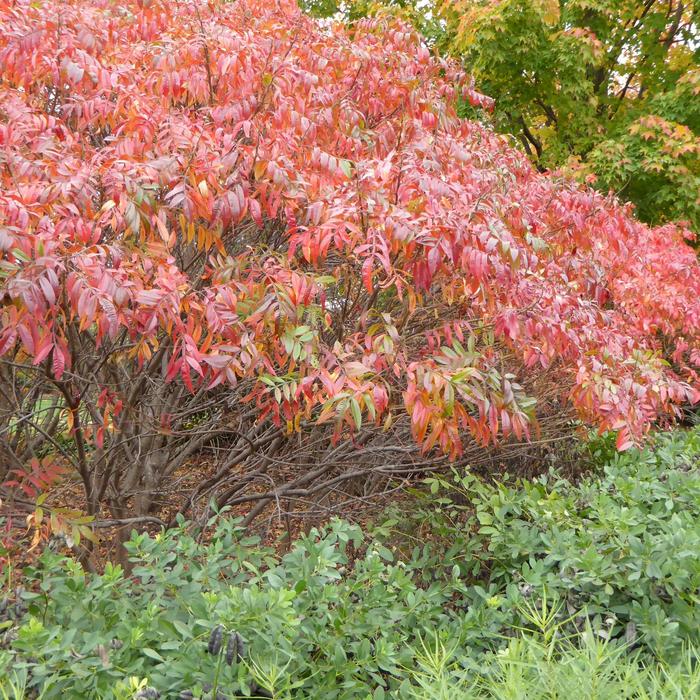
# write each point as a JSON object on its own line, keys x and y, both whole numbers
{"x": 225, "y": 221}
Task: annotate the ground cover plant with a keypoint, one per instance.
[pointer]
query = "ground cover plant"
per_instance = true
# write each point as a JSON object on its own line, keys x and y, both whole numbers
{"x": 539, "y": 666}
{"x": 541, "y": 582}
{"x": 227, "y": 226}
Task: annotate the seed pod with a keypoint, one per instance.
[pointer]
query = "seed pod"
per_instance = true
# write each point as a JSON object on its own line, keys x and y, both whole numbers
{"x": 231, "y": 644}
{"x": 8, "y": 637}
{"x": 240, "y": 647}
{"x": 215, "y": 639}
{"x": 257, "y": 691}
{"x": 147, "y": 693}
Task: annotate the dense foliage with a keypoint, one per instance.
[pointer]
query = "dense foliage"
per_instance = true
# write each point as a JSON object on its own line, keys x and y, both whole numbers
{"x": 615, "y": 558}
{"x": 542, "y": 665}
{"x": 225, "y": 221}
{"x": 608, "y": 90}
{"x": 611, "y": 88}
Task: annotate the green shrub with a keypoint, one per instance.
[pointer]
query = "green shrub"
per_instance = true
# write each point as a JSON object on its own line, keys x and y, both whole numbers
{"x": 328, "y": 632}
{"x": 342, "y": 615}
{"x": 623, "y": 545}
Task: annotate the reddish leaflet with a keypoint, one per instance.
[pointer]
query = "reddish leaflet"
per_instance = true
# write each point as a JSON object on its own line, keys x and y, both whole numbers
{"x": 199, "y": 195}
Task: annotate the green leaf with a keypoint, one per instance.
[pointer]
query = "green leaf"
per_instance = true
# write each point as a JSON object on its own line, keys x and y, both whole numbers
{"x": 356, "y": 413}
{"x": 347, "y": 167}
{"x": 385, "y": 553}
{"x": 653, "y": 570}
{"x": 183, "y": 629}
{"x": 485, "y": 518}
{"x": 274, "y": 580}
{"x": 151, "y": 653}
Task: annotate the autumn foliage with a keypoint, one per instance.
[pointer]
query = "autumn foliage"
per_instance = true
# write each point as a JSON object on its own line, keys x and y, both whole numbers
{"x": 226, "y": 219}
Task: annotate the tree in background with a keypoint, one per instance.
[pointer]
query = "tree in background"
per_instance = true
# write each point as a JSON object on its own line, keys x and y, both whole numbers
{"x": 607, "y": 90}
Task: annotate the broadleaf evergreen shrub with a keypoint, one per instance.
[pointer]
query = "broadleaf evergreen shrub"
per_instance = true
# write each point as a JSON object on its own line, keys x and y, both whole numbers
{"x": 342, "y": 615}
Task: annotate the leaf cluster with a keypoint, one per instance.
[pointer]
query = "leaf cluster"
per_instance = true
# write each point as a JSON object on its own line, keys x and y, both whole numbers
{"x": 605, "y": 91}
